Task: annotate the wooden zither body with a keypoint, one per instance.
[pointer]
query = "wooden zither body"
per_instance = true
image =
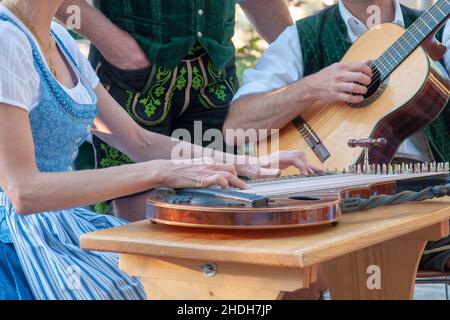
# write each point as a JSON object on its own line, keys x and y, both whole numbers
{"x": 407, "y": 93}
{"x": 286, "y": 202}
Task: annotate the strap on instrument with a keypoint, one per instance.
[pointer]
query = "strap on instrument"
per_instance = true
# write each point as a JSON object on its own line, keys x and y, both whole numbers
{"x": 359, "y": 204}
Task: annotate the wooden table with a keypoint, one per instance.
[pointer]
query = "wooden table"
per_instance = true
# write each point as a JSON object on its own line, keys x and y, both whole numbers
{"x": 182, "y": 263}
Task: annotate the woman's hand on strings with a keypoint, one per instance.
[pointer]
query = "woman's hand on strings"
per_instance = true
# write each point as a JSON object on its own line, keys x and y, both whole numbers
{"x": 270, "y": 166}
{"x": 205, "y": 172}
{"x": 197, "y": 173}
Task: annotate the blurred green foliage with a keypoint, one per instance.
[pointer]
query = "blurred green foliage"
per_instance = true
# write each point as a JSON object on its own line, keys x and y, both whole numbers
{"x": 248, "y": 55}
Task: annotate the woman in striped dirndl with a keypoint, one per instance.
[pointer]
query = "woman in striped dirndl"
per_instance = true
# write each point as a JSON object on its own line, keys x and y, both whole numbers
{"x": 50, "y": 102}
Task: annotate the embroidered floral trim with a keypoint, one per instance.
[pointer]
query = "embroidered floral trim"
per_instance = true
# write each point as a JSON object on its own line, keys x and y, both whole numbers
{"x": 197, "y": 80}
{"x": 113, "y": 157}
{"x": 181, "y": 79}
{"x": 154, "y": 100}
{"x": 217, "y": 86}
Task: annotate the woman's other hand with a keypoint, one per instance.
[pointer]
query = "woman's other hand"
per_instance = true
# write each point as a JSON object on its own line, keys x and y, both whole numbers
{"x": 270, "y": 166}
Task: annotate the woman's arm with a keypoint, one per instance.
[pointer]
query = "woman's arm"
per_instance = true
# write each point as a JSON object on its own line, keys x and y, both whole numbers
{"x": 32, "y": 191}
{"x": 117, "y": 128}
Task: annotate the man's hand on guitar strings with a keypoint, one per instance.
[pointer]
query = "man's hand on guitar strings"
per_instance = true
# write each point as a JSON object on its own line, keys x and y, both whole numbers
{"x": 341, "y": 82}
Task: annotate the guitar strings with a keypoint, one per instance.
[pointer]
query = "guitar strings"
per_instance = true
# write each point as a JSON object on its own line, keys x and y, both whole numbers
{"x": 377, "y": 75}
{"x": 410, "y": 34}
{"x": 342, "y": 105}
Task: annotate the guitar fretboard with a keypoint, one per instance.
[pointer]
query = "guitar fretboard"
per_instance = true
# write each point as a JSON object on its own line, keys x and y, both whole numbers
{"x": 413, "y": 37}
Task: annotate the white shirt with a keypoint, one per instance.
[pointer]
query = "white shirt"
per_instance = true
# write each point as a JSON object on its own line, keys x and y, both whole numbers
{"x": 19, "y": 81}
{"x": 282, "y": 64}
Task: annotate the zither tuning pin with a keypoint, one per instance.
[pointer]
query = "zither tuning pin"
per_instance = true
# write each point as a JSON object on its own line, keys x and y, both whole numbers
{"x": 409, "y": 168}
{"x": 425, "y": 167}
{"x": 433, "y": 166}
{"x": 403, "y": 170}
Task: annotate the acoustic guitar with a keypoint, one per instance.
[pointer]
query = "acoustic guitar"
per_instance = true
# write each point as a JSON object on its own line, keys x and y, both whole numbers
{"x": 406, "y": 94}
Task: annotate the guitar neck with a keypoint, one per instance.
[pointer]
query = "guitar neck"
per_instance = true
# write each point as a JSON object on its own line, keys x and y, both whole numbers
{"x": 421, "y": 29}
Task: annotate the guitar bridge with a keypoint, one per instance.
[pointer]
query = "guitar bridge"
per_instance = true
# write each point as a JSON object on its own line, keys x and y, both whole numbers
{"x": 311, "y": 139}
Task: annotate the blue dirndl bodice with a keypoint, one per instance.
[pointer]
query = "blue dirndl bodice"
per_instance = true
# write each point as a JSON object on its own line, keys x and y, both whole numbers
{"x": 59, "y": 124}
{"x": 47, "y": 243}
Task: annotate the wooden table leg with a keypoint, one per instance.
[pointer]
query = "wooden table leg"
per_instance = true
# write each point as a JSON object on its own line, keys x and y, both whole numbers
{"x": 179, "y": 279}
{"x": 384, "y": 271}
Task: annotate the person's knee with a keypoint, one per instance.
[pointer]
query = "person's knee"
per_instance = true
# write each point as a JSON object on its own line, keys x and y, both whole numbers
{"x": 130, "y": 208}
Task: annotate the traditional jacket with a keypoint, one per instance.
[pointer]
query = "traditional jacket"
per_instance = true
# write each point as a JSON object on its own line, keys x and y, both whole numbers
{"x": 167, "y": 29}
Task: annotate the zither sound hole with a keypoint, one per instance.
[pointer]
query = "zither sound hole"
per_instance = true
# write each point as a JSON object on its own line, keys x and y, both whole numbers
{"x": 304, "y": 198}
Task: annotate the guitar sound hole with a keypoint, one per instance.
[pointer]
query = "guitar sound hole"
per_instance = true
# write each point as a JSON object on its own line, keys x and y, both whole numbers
{"x": 375, "y": 90}
{"x": 304, "y": 198}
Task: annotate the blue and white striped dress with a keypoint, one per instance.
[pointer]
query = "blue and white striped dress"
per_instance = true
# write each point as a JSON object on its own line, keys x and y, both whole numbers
{"x": 47, "y": 243}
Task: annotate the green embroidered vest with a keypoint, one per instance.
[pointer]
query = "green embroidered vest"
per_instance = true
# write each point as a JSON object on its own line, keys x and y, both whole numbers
{"x": 323, "y": 40}
{"x": 167, "y": 29}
